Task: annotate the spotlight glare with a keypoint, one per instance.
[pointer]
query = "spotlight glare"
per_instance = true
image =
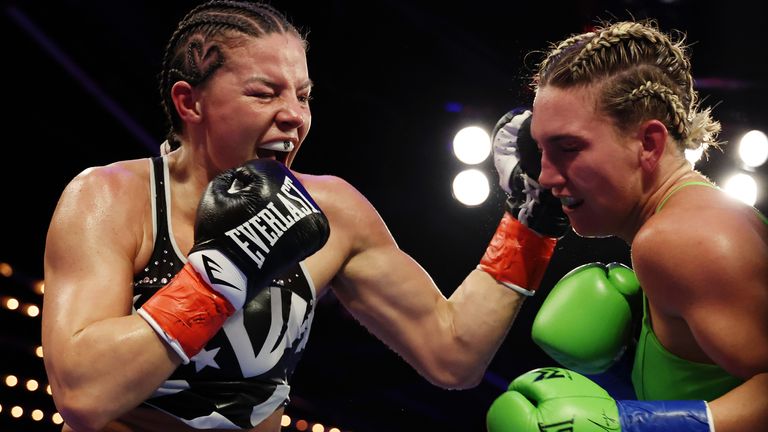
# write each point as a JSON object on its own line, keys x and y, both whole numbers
{"x": 285, "y": 421}
{"x": 472, "y": 145}
{"x": 742, "y": 187}
{"x": 33, "y": 310}
{"x": 693, "y": 156}
{"x": 470, "y": 187}
{"x": 11, "y": 381}
{"x": 753, "y": 148}
{"x": 11, "y": 303}
{"x": 6, "y": 269}
{"x": 32, "y": 385}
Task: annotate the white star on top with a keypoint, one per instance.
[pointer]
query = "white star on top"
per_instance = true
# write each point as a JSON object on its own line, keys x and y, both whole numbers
{"x": 205, "y": 358}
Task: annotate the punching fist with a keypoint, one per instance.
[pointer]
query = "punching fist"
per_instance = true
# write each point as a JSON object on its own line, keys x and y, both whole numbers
{"x": 555, "y": 399}
{"x": 525, "y": 238}
{"x": 585, "y": 322}
{"x": 518, "y": 162}
{"x": 253, "y": 222}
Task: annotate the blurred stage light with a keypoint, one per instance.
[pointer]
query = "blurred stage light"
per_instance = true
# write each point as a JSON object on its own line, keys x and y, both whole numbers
{"x": 11, "y": 303}
{"x": 470, "y": 187}
{"x": 32, "y": 310}
{"x": 6, "y": 269}
{"x": 753, "y": 149}
{"x": 693, "y": 156}
{"x": 742, "y": 187}
{"x": 32, "y": 385}
{"x": 39, "y": 287}
{"x": 11, "y": 380}
{"x": 453, "y": 107}
{"x": 472, "y": 145}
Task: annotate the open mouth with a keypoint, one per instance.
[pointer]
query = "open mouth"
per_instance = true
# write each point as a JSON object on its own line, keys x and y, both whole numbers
{"x": 571, "y": 203}
{"x": 277, "y": 150}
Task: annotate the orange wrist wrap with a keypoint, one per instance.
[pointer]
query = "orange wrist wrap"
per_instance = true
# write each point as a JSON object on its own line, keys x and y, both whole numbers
{"x": 517, "y": 255}
{"x": 188, "y": 311}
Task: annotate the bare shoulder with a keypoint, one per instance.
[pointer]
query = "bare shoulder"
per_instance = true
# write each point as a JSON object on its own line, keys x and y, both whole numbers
{"x": 694, "y": 244}
{"x": 115, "y": 178}
{"x": 101, "y": 199}
{"x": 338, "y": 198}
{"x": 356, "y": 226}
{"x": 324, "y": 187}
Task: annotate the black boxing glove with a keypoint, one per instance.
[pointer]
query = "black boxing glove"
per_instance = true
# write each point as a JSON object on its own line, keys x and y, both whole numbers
{"x": 253, "y": 223}
{"x": 518, "y": 162}
{"x": 525, "y": 239}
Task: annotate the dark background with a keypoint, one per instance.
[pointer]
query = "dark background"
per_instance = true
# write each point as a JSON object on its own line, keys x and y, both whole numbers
{"x": 79, "y": 89}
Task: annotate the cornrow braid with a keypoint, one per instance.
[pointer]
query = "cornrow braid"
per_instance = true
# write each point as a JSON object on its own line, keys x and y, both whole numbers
{"x": 622, "y": 32}
{"x": 558, "y": 50}
{"x": 666, "y": 95}
{"x": 634, "y": 64}
{"x": 194, "y": 51}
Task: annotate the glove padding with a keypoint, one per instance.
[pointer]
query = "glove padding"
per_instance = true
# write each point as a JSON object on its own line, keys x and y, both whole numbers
{"x": 518, "y": 162}
{"x": 586, "y": 320}
{"x": 262, "y": 220}
{"x": 253, "y": 222}
{"x": 555, "y": 399}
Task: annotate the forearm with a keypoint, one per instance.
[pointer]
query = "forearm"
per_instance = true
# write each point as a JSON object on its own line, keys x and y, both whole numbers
{"x": 743, "y": 408}
{"x": 481, "y": 313}
{"x": 118, "y": 360}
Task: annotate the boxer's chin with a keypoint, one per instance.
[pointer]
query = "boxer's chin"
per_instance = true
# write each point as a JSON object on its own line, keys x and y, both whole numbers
{"x": 588, "y": 232}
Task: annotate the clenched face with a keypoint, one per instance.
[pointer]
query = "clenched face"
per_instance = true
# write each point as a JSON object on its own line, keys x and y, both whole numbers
{"x": 587, "y": 162}
{"x": 257, "y": 104}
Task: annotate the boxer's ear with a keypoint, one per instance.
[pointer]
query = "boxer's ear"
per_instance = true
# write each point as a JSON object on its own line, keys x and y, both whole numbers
{"x": 185, "y": 100}
{"x": 653, "y": 136}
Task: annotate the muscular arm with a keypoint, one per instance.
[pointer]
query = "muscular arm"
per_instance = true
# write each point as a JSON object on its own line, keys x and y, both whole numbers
{"x": 101, "y": 360}
{"x": 449, "y": 341}
{"x": 714, "y": 290}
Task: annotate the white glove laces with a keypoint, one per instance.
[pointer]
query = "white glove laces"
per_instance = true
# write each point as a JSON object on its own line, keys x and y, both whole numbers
{"x": 532, "y": 189}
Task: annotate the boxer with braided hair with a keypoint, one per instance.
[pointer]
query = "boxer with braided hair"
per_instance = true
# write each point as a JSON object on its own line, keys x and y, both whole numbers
{"x": 181, "y": 289}
{"x": 615, "y": 109}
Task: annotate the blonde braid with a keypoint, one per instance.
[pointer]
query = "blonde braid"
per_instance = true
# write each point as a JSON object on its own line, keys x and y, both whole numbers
{"x": 634, "y": 62}
{"x": 562, "y": 47}
{"x": 660, "y": 91}
{"x": 703, "y": 130}
{"x": 604, "y": 40}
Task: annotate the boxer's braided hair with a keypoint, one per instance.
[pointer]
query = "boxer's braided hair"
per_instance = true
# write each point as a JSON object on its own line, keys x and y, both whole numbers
{"x": 641, "y": 73}
{"x": 194, "y": 51}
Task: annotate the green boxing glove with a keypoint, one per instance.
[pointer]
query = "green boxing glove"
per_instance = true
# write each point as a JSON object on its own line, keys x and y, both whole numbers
{"x": 556, "y": 400}
{"x": 585, "y": 321}
{"x": 553, "y": 399}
